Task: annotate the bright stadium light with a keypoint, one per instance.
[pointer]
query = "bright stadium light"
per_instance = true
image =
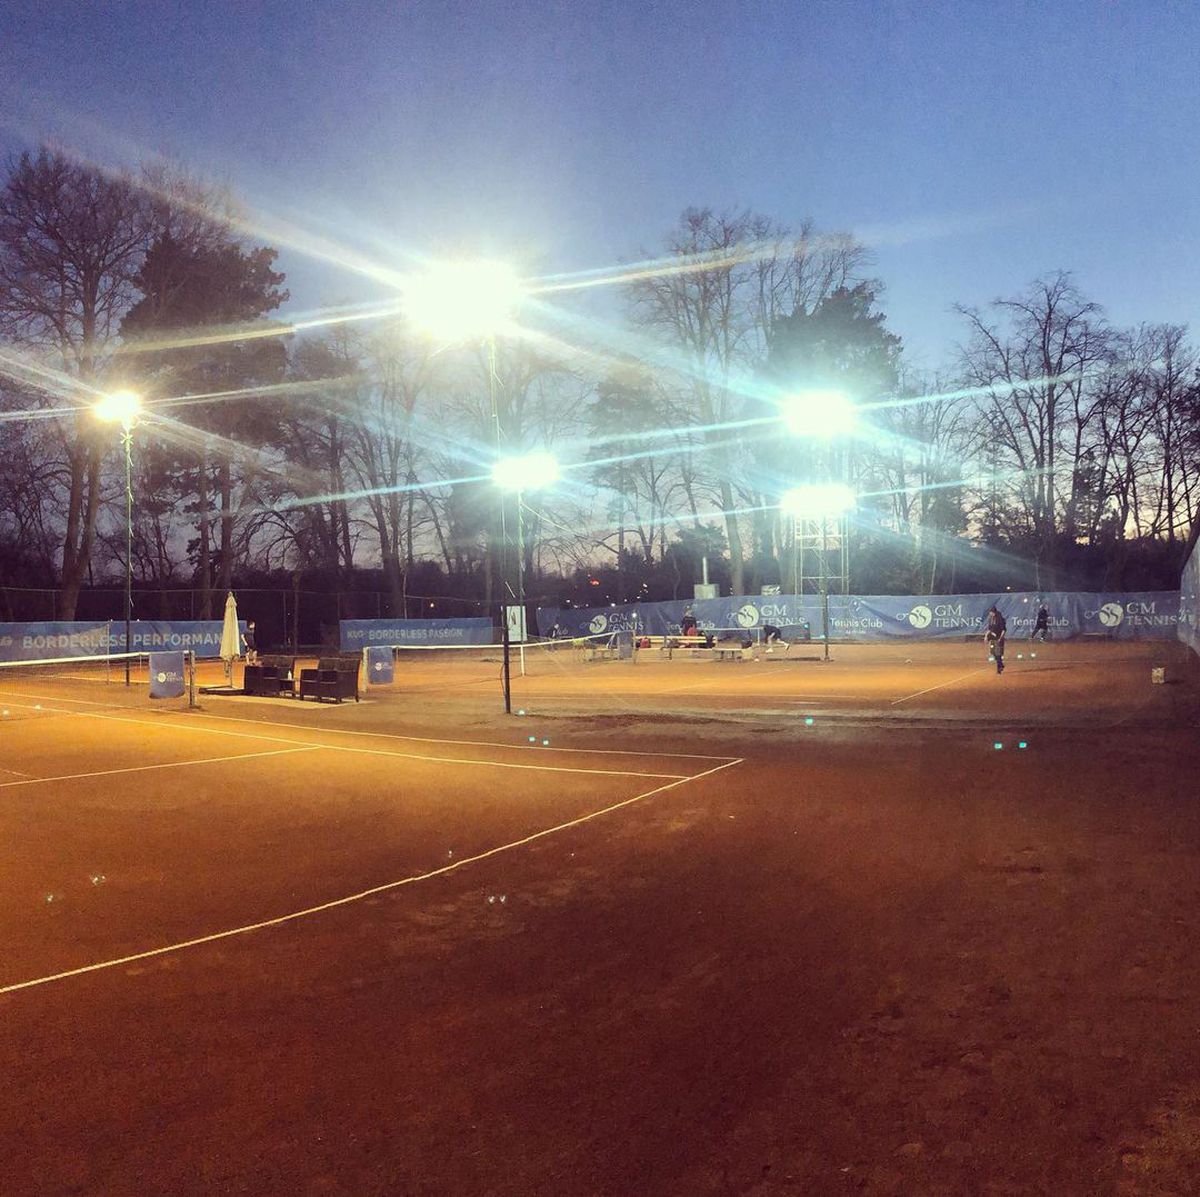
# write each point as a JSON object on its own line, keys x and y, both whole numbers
{"x": 530, "y": 471}
{"x": 819, "y": 500}
{"x": 118, "y": 407}
{"x": 822, "y": 414}
{"x": 463, "y": 301}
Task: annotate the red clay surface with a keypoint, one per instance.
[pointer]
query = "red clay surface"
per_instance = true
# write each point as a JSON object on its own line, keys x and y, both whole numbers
{"x": 867, "y": 954}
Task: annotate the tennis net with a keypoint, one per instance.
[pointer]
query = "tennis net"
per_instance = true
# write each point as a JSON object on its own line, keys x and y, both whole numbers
{"x": 436, "y": 667}
{"x": 58, "y": 684}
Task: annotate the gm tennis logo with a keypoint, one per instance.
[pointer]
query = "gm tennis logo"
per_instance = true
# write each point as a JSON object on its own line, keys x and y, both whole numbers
{"x": 1111, "y": 614}
{"x": 747, "y": 616}
{"x": 920, "y": 616}
{"x": 598, "y": 624}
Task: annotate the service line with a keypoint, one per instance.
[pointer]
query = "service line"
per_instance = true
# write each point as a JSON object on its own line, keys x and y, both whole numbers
{"x": 411, "y": 756}
{"x": 208, "y": 760}
{"x": 309, "y": 911}
{"x": 939, "y": 686}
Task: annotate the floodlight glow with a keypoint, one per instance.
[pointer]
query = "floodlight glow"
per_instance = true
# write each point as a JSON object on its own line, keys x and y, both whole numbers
{"x": 821, "y": 500}
{"x": 823, "y": 414}
{"x": 530, "y": 471}
{"x": 119, "y": 407}
{"x": 462, "y": 301}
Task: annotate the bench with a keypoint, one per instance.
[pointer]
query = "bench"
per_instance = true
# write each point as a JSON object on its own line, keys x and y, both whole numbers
{"x": 667, "y": 645}
{"x": 732, "y": 650}
{"x": 272, "y": 677}
{"x": 334, "y": 678}
{"x": 723, "y": 650}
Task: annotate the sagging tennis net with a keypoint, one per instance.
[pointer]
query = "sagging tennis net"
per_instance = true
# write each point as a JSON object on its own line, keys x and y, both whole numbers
{"x": 113, "y": 680}
{"x": 438, "y": 666}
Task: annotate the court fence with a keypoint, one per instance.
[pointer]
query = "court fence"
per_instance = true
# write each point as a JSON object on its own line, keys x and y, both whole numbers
{"x": 1140, "y": 615}
{"x": 1189, "y": 600}
{"x": 81, "y": 638}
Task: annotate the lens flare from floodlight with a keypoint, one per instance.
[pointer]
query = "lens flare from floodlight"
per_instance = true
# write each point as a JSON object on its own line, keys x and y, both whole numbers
{"x": 462, "y": 301}
{"x": 822, "y": 500}
{"x": 530, "y": 471}
{"x": 119, "y": 407}
{"x": 822, "y": 414}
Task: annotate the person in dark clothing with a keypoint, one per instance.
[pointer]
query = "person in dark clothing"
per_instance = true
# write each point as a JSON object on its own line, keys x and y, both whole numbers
{"x": 773, "y": 636}
{"x": 688, "y": 625}
{"x": 250, "y": 637}
{"x": 1042, "y": 625}
{"x": 997, "y": 629}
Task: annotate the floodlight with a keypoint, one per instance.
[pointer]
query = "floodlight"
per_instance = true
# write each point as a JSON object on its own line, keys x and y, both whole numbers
{"x": 530, "y": 471}
{"x": 822, "y": 500}
{"x": 823, "y": 414}
{"x": 462, "y": 301}
{"x": 119, "y": 407}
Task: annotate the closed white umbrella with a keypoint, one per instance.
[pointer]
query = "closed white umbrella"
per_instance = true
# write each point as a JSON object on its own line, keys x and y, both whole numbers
{"x": 231, "y": 640}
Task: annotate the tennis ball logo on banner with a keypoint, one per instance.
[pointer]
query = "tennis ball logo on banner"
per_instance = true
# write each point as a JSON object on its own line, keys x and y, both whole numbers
{"x": 1111, "y": 614}
{"x": 598, "y": 624}
{"x": 747, "y": 617}
{"x": 920, "y": 616}
{"x": 162, "y": 675}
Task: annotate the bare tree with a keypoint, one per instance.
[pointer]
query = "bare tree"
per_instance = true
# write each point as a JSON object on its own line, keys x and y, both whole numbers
{"x": 71, "y": 241}
{"x": 1039, "y": 361}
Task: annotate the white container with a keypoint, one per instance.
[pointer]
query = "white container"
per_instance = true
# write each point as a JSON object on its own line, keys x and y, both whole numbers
{"x": 1158, "y": 675}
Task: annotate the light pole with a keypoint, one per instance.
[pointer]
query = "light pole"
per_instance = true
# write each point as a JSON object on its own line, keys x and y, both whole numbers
{"x": 823, "y": 502}
{"x": 123, "y": 407}
{"x": 460, "y": 303}
{"x": 822, "y": 415}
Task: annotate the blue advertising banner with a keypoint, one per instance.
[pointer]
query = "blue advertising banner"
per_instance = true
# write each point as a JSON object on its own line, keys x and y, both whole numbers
{"x": 381, "y": 666}
{"x": 1127, "y": 616}
{"x": 166, "y": 675}
{"x": 1189, "y": 601}
{"x": 36, "y": 641}
{"x": 360, "y": 633}
{"x": 203, "y": 637}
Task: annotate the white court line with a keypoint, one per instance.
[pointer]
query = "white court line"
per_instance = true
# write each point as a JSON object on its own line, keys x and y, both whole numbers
{"x": 308, "y": 911}
{"x": 688, "y": 756}
{"x": 939, "y": 686}
{"x": 411, "y": 756}
{"x": 208, "y": 760}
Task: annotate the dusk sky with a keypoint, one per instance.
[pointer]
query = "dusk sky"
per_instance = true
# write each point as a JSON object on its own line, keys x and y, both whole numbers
{"x": 976, "y": 145}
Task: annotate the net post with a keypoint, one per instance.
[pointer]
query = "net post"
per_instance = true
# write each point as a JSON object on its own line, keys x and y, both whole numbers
{"x": 191, "y": 678}
{"x": 507, "y": 661}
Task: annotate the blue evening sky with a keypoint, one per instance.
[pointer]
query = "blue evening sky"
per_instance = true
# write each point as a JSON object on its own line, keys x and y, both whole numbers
{"x": 977, "y": 144}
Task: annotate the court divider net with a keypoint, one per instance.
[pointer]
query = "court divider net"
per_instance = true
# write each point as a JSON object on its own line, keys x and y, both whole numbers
{"x": 52, "y": 685}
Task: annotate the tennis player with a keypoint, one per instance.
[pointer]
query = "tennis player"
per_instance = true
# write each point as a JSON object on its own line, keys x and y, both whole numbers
{"x": 773, "y": 636}
{"x": 1042, "y": 625}
{"x": 997, "y": 629}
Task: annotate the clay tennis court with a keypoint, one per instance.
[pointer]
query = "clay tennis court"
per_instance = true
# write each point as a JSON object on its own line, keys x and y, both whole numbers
{"x": 740, "y": 927}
